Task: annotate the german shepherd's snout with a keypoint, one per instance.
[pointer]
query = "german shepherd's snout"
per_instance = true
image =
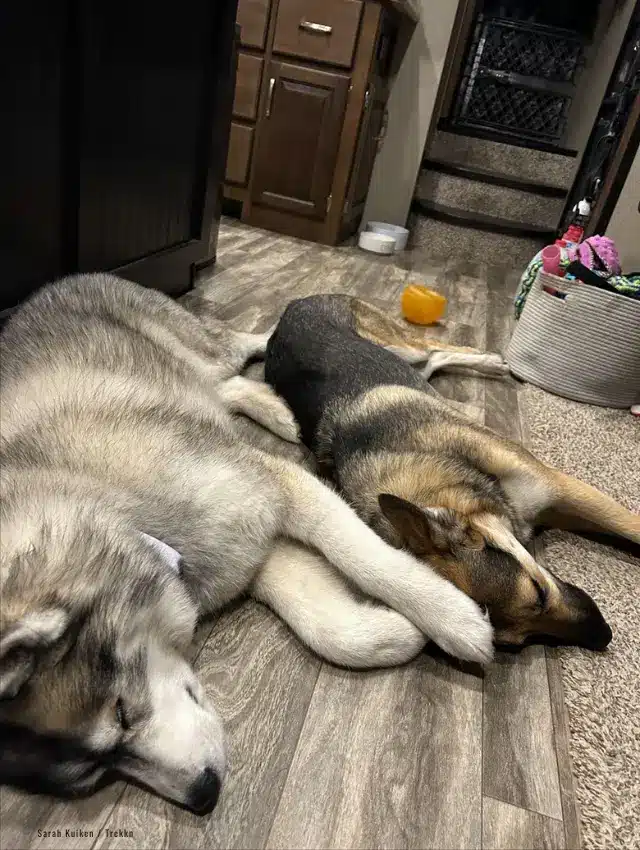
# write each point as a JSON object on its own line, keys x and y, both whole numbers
{"x": 455, "y": 494}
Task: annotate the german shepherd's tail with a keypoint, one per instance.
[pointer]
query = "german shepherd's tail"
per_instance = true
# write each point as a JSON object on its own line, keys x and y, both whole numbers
{"x": 374, "y": 324}
{"x": 580, "y": 507}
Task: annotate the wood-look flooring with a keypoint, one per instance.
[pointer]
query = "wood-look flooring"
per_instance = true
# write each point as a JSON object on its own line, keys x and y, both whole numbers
{"x": 431, "y": 755}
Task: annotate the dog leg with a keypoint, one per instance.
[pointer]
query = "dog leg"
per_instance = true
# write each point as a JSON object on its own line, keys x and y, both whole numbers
{"x": 259, "y": 402}
{"x": 577, "y": 506}
{"x": 488, "y": 364}
{"x": 320, "y": 518}
{"x": 315, "y": 601}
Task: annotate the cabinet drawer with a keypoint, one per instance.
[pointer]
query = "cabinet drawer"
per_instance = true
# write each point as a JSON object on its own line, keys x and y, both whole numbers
{"x": 245, "y": 101}
{"x": 239, "y": 156}
{"x": 253, "y": 16}
{"x": 324, "y": 30}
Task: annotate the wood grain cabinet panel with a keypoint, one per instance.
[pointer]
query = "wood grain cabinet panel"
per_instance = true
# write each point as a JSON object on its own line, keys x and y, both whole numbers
{"x": 253, "y": 17}
{"x": 299, "y": 137}
{"x": 239, "y": 156}
{"x": 320, "y": 30}
{"x": 249, "y": 74}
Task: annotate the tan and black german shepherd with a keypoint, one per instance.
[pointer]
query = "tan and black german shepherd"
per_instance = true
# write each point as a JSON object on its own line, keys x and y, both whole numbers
{"x": 450, "y": 491}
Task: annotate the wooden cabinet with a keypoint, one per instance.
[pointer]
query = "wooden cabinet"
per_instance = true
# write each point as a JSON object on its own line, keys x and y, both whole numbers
{"x": 115, "y": 122}
{"x": 300, "y": 162}
{"x": 299, "y": 139}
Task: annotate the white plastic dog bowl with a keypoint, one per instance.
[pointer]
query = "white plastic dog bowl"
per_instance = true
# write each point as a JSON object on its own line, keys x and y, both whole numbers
{"x": 400, "y": 234}
{"x": 379, "y": 243}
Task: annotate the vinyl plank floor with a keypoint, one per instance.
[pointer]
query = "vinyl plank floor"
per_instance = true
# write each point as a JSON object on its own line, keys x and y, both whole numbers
{"x": 519, "y": 756}
{"x": 507, "y": 827}
{"x": 383, "y": 761}
{"x": 430, "y": 755}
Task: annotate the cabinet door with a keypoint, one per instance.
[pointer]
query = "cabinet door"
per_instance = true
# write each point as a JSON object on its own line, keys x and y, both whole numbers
{"x": 298, "y": 139}
{"x": 155, "y": 105}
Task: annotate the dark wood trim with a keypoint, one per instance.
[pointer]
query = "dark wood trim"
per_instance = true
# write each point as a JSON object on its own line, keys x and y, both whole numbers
{"x": 481, "y": 221}
{"x": 495, "y": 178}
{"x": 370, "y": 23}
{"x": 462, "y": 25}
{"x": 280, "y": 221}
{"x": 447, "y": 126}
{"x": 235, "y": 193}
{"x": 617, "y": 173}
{"x": 407, "y": 8}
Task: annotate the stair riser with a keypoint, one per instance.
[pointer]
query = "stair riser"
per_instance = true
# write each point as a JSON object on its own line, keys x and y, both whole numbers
{"x": 525, "y": 163}
{"x": 476, "y": 196}
{"x": 444, "y": 240}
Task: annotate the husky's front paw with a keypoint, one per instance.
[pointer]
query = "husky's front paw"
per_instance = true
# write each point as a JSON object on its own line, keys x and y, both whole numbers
{"x": 467, "y": 632}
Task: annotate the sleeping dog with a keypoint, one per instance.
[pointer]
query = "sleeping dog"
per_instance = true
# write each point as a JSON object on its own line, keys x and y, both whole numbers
{"x": 452, "y": 492}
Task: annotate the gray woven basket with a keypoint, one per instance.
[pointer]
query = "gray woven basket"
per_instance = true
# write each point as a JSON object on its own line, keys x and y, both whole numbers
{"x": 585, "y": 346}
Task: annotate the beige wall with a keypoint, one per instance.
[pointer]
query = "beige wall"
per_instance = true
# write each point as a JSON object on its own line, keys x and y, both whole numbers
{"x": 610, "y": 29}
{"x": 410, "y": 106}
{"x": 624, "y": 227}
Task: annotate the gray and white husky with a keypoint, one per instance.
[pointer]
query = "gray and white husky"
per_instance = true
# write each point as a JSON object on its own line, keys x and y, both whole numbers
{"x": 130, "y": 507}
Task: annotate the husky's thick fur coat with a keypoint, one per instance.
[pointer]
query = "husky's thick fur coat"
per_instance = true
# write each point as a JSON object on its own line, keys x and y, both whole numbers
{"x": 117, "y": 451}
{"x": 423, "y": 477}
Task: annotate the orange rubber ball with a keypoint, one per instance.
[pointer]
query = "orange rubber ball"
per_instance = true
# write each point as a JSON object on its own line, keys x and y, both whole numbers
{"x": 422, "y": 306}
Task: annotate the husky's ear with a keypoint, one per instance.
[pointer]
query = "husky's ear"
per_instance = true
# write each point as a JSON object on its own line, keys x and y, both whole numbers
{"x": 23, "y": 641}
{"x": 428, "y": 530}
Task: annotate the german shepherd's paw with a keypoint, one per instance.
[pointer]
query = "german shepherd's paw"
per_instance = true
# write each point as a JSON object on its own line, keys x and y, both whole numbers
{"x": 466, "y": 633}
{"x": 497, "y": 364}
{"x": 285, "y": 426}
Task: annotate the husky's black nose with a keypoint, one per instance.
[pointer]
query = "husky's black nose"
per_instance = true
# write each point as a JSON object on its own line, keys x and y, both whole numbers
{"x": 204, "y": 793}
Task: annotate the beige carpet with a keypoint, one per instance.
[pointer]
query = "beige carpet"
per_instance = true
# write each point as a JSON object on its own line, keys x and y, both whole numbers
{"x": 602, "y": 691}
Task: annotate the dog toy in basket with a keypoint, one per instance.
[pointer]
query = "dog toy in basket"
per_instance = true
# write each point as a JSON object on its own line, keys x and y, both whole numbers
{"x": 597, "y": 253}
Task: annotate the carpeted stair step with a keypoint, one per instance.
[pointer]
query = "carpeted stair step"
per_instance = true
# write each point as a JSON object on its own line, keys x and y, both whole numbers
{"x": 479, "y": 190}
{"x": 554, "y": 168}
{"x": 447, "y": 232}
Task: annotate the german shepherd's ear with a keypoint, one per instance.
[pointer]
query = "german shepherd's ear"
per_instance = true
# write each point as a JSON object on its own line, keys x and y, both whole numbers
{"x": 428, "y": 530}
{"x": 23, "y": 641}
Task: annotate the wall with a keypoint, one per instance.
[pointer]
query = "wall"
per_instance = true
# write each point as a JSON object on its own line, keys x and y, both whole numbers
{"x": 624, "y": 227}
{"x": 411, "y": 105}
{"x": 610, "y": 30}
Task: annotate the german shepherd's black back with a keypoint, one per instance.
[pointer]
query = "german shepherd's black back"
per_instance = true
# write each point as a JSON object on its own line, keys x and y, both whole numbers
{"x": 316, "y": 357}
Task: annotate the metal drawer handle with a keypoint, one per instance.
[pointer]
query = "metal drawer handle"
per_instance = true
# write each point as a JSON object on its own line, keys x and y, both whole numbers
{"x": 322, "y": 29}
{"x": 272, "y": 83}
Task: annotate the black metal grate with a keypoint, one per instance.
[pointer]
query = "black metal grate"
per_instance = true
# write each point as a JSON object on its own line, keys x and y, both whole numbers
{"x": 531, "y": 51}
{"x": 519, "y": 79}
{"x": 517, "y": 110}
